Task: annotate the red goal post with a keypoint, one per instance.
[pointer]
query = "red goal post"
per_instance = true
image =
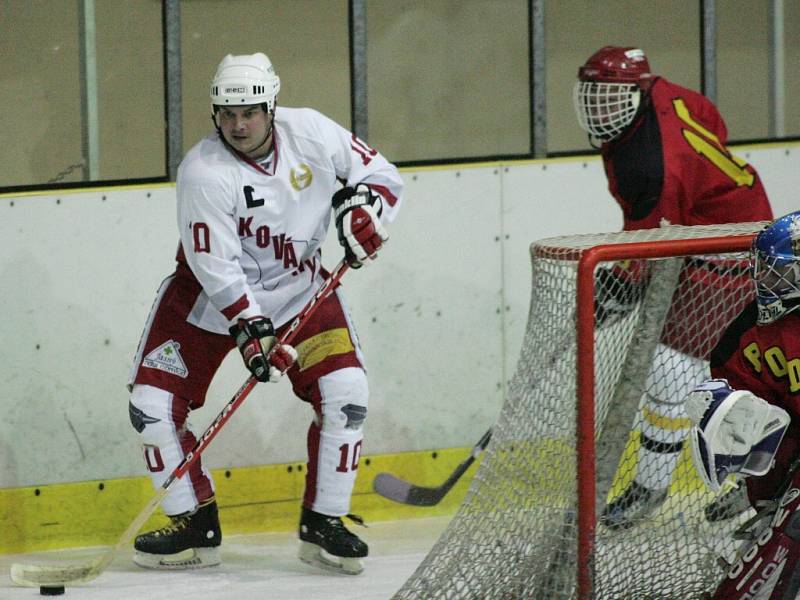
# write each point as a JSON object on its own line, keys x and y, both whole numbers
{"x": 585, "y": 325}
{"x": 563, "y": 444}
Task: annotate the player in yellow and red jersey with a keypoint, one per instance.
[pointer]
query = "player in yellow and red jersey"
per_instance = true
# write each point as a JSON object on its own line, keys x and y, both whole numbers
{"x": 665, "y": 156}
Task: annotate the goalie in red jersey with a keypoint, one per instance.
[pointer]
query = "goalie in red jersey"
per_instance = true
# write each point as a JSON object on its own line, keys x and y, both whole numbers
{"x": 665, "y": 156}
{"x": 754, "y": 432}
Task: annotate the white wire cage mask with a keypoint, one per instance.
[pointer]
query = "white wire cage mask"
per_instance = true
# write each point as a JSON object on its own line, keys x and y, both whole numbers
{"x": 777, "y": 280}
{"x": 605, "y": 109}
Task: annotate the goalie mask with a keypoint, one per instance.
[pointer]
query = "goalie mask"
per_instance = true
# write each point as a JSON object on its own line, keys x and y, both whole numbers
{"x": 775, "y": 261}
{"x": 735, "y": 432}
{"x": 609, "y": 89}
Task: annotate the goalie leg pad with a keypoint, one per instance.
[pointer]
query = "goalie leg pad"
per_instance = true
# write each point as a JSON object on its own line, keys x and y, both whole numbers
{"x": 766, "y": 568}
{"x": 159, "y": 418}
{"x": 334, "y": 440}
{"x": 663, "y": 420}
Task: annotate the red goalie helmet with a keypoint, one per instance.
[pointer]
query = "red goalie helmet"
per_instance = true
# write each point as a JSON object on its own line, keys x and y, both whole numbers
{"x": 616, "y": 65}
{"x": 608, "y": 92}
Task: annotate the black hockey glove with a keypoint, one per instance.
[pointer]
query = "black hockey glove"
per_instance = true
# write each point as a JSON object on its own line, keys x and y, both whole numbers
{"x": 357, "y": 213}
{"x": 255, "y": 337}
{"x": 617, "y": 291}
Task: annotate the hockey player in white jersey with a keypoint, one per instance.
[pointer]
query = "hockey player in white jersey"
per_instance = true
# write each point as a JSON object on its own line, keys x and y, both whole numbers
{"x": 255, "y": 199}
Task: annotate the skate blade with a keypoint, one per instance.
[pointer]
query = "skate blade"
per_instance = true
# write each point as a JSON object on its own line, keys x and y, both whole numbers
{"x": 313, "y": 555}
{"x": 194, "y": 558}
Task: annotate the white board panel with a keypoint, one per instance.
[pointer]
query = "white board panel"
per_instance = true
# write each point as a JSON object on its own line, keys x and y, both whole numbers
{"x": 441, "y": 313}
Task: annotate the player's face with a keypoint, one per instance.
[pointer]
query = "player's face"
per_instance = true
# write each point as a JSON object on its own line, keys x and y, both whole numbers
{"x": 246, "y": 128}
{"x": 605, "y": 102}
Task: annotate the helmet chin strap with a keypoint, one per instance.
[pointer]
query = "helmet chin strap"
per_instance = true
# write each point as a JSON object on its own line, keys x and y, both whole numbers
{"x": 267, "y": 136}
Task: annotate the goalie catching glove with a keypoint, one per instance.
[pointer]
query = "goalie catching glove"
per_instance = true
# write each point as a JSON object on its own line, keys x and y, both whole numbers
{"x": 357, "y": 213}
{"x": 735, "y": 432}
{"x": 263, "y": 356}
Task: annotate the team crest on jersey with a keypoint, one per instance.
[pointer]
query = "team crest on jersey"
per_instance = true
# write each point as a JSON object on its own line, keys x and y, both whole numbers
{"x": 300, "y": 177}
{"x": 167, "y": 358}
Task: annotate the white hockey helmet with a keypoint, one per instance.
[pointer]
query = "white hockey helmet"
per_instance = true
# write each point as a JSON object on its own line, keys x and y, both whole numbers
{"x": 245, "y": 79}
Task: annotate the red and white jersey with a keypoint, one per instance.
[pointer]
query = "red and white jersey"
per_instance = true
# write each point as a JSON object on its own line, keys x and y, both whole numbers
{"x": 674, "y": 166}
{"x": 251, "y": 233}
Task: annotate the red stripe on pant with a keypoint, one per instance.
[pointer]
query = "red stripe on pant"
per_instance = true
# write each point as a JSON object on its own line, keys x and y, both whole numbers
{"x": 201, "y": 484}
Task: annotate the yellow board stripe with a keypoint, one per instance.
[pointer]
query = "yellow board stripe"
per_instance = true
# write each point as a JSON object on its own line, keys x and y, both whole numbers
{"x": 251, "y": 500}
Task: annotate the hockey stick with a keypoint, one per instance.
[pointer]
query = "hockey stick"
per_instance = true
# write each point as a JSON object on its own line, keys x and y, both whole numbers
{"x": 398, "y": 490}
{"x": 59, "y": 575}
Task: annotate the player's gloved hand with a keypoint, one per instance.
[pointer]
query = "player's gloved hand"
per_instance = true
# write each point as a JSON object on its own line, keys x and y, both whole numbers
{"x": 255, "y": 338}
{"x": 617, "y": 291}
{"x": 357, "y": 214}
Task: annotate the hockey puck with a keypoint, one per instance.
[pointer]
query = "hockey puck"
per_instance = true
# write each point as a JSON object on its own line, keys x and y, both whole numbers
{"x": 55, "y": 590}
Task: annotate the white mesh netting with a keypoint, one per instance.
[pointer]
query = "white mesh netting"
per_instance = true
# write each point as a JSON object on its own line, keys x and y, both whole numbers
{"x": 514, "y": 536}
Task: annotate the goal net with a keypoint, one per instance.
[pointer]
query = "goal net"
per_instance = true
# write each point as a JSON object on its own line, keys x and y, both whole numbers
{"x": 566, "y": 440}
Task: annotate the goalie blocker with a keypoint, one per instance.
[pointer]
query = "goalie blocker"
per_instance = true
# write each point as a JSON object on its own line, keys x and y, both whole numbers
{"x": 737, "y": 434}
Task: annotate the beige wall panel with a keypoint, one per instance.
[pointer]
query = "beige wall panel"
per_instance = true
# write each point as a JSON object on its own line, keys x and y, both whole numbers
{"x": 39, "y": 91}
{"x": 792, "y": 67}
{"x": 306, "y": 40}
{"x": 743, "y": 67}
{"x": 130, "y": 80}
{"x": 448, "y": 78}
{"x": 667, "y": 31}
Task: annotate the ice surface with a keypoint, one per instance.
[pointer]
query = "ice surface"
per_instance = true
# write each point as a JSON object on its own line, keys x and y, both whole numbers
{"x": 257, "y": 567}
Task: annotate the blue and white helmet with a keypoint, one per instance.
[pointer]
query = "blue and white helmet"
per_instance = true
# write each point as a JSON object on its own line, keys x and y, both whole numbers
{"x": 775, "y": 260}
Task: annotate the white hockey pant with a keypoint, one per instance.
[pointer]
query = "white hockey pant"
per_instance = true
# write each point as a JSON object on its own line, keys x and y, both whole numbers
{"x": 161, "y": 421}
{"x": 662, "y": 419}
{"x": 334, "y": 441}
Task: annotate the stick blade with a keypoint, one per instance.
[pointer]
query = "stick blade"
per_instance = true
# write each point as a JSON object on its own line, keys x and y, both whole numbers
{"x": 389, "y": 486}
{"x": 52, "y": 575}
{"x": 398, "y": 490}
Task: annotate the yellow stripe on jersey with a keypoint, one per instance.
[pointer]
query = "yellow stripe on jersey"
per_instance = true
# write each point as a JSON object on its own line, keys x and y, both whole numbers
{"x": 668, "y": 423}
{"x": 319, "y": 347}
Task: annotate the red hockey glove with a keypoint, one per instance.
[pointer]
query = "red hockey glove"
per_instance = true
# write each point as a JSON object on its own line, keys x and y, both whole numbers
{"x": 357, "y": 214}
{"x": 255, "y": 338}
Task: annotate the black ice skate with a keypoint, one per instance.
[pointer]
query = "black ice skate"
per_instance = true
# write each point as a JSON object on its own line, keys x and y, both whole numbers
{"x": 632, "y": 506}
{"x": 190, "y": 541}
{"x": 325, "y": 542}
